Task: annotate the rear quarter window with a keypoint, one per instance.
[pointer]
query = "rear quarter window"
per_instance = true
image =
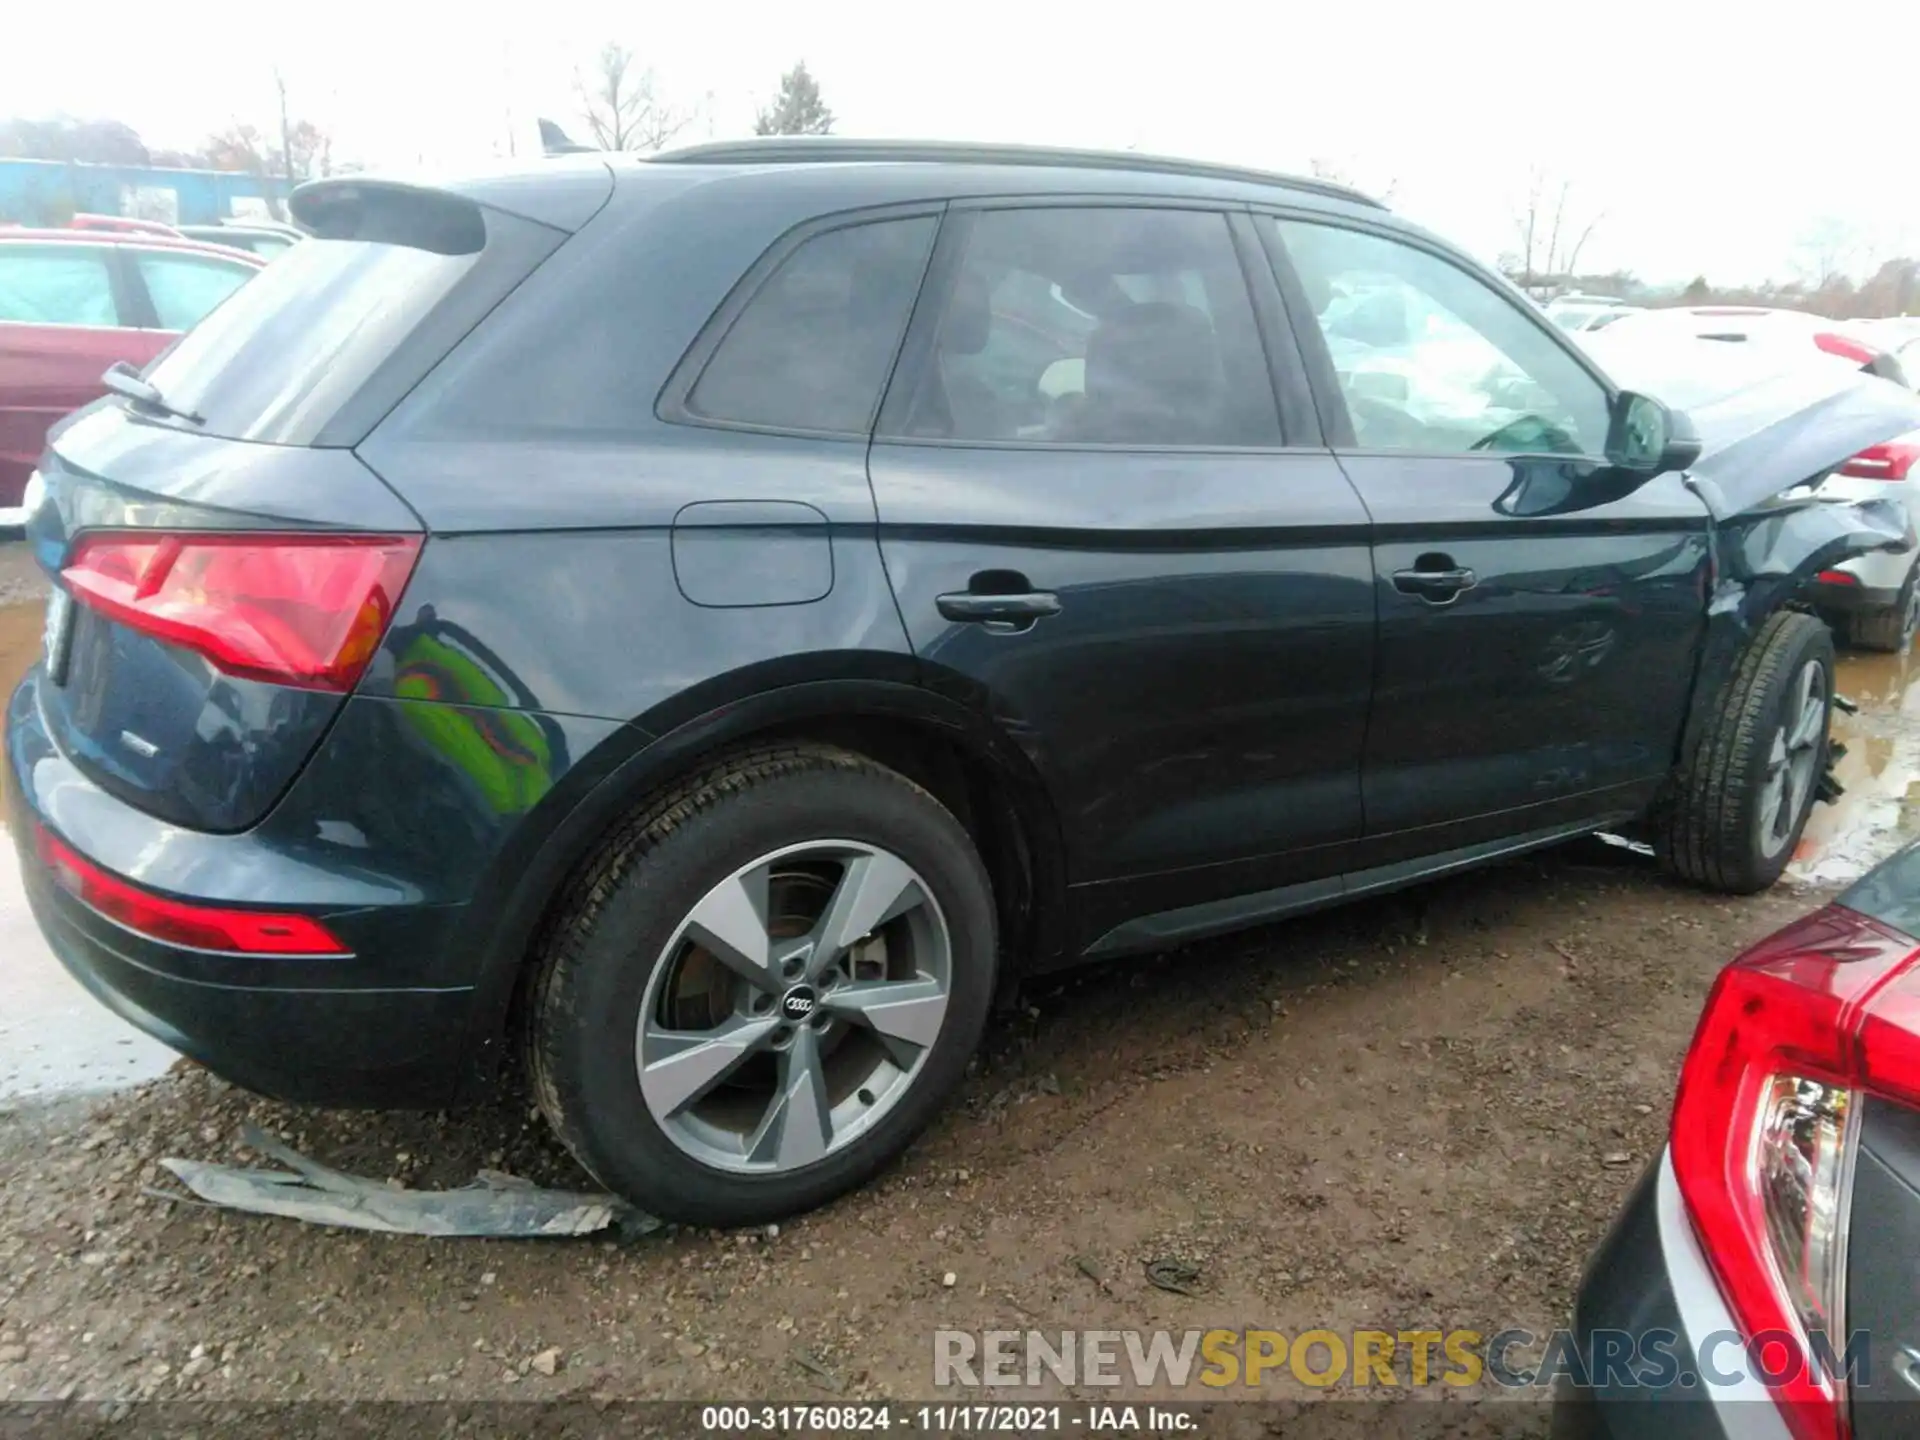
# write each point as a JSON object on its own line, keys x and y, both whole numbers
{"x": 814, "y": 344}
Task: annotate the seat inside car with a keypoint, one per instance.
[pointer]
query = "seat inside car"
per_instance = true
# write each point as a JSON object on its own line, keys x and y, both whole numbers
{"x": 954, "y": 402}
{"x": 1153, "y": 376}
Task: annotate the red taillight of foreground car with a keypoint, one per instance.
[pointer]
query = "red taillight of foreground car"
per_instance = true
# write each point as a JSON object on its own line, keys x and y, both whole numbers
{"x": 204, "y": 927}
{"x": 1889, "y": 461}
{"x": 306, "y": 610}
{"x": 1795, "y": 1033}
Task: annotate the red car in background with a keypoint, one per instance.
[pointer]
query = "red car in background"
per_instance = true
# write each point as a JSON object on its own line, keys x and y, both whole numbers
{"x": 74, "y": 302}
{"x": 121, "y": 225}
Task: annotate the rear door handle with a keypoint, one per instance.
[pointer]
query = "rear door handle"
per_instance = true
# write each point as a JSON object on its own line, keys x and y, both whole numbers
{"x": 1030, "y": 605}
{"x": 1435, "y": 586}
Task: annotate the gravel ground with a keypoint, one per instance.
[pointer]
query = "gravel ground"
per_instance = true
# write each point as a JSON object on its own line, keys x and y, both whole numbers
{"x": 1416, "y": 1113}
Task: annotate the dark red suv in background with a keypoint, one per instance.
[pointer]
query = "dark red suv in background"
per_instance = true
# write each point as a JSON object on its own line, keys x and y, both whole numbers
{"x": 72, "y": 302}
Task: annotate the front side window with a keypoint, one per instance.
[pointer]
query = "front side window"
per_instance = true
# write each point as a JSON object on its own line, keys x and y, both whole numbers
{"x": 185, "y": 288}
{"x": 1431, "y": 358}
{"x": 815, "y": 344}
{"x": 1095, "y": 325}
{"x": 58, "y": 285}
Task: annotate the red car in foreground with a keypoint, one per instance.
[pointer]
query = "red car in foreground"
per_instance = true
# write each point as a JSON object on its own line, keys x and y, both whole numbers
{"x": 72, "y": 302}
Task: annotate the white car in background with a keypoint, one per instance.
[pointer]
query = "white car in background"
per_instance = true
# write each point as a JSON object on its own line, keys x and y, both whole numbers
{"x": 1850, "y": 341}
{"x": 1578, "y": 314}
{"x": 1873, "y": 601}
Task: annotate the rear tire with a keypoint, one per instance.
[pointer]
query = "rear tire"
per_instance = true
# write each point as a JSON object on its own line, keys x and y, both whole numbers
{"x": 1891, "y": 630}
{"x": 1744, "y": 791}
{"x": 763, "y": 987}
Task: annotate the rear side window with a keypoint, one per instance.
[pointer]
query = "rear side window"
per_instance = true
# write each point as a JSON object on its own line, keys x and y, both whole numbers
{"x": 57, "y": 285}
{"x": 185, "y": 288}
{"x": 1098, "y": 326}
{"x": 815, "y": 343}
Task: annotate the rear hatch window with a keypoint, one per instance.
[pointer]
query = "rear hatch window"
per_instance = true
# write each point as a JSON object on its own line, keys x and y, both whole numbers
{"x": 331, "y": 335}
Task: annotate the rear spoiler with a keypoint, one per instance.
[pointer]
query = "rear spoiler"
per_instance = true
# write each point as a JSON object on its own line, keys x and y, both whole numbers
{"x": 444, "y": 215}
{"x": 555, "y": 141}
{"x": 381, "y": 210}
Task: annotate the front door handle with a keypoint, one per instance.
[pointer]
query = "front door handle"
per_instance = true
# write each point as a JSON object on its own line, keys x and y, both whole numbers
{"x": 1027, "y": 606}
{"x": 1437, "y": 587}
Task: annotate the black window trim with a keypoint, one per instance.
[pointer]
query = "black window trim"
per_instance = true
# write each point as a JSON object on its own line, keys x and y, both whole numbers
{"x": 672, "y": 405}
{"x": 130, "y": 292}
{"x": 937, "y": 286}
{"x": 1330, "y": 401}
{"x": 139, "y": 297}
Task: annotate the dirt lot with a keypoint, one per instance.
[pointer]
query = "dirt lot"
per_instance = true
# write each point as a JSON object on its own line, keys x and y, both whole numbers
{"x": 1418, "y": 1113}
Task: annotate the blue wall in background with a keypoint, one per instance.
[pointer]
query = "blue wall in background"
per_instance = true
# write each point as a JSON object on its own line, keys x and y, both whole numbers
{"x": 47, "y": 191}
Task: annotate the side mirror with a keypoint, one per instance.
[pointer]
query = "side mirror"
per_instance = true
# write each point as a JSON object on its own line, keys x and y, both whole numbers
{"x": 1646, "y": 437}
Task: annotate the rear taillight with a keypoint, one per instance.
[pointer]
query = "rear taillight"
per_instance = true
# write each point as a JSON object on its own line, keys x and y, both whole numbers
{"x": 1796, "y": 1032}
{"x": 306, "y": 609}
{"x": 1836, "y": 577}
{"x": 1846, "y": 347}
{"x": 203, "y": 927}
{"x": 1889, "y": 461}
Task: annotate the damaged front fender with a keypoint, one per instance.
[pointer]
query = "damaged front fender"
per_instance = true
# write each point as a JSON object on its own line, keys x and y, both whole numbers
{"x": 1764, "y": 556}
{"x": 1774, "y": 421}
{"x": 1773, "y": 424}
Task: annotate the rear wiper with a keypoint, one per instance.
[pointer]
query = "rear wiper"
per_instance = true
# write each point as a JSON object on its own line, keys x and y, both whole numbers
{"x": 123, "y": 379}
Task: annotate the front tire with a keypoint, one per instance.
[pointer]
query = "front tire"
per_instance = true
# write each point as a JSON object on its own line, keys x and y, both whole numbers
{"x": 764, "y": 988}
{"x": 1745, "y": 789}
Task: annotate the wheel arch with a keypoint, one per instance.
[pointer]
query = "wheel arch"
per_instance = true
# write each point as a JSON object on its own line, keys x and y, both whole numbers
{"x": 1765, "y": 561}
{"x": 971, "y": 766}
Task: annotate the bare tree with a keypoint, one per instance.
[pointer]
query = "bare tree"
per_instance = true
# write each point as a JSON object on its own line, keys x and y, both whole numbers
{"x": 63, "y": 137}
{"x": 623, "y": 107}
{"x": 298, "y": 150}
{"x": 1828, "y": 251}
{"x": 1549, "y": 229}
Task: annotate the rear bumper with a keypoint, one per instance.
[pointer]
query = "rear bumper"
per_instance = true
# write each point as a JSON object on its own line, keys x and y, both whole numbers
{"x": 1852, "y": 599}
{"x": 316, "y": 1030}
{"x": 1879, "y": 578}
{"x": 1648, "y": 1288}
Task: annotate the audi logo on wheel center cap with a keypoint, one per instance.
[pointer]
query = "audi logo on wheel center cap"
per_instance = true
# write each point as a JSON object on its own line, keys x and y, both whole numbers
{"x": 798, "y": 1003}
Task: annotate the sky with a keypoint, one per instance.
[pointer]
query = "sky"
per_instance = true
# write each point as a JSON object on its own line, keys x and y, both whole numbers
{"x": 1697, "y": 138}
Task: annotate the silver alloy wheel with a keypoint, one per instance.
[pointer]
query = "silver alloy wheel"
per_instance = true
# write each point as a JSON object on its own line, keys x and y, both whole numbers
{"x": 794, "y": 1006}
{"x": 1788, "y": 784}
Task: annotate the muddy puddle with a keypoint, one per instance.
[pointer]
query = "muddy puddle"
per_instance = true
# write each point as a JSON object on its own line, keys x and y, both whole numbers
{"x": 55, "y": 1039}
{"x": 1880, "y": 811}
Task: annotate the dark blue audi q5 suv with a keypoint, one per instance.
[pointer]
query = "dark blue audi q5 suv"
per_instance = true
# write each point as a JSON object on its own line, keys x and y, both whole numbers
{"x": 704, "y": 627}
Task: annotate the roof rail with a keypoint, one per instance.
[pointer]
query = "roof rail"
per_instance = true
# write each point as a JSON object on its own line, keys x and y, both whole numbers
{"x": 824, "y": 149}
